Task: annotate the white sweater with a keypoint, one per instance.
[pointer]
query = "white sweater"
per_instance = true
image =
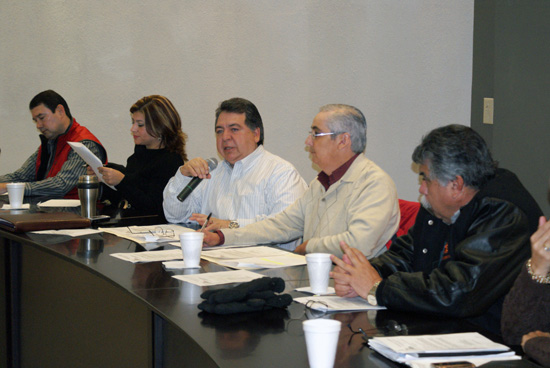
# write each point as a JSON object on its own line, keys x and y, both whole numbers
{"x": 361, "y": 209}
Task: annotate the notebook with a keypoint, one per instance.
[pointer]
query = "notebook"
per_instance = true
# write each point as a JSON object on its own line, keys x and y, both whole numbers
{"x": 23, "y": 222}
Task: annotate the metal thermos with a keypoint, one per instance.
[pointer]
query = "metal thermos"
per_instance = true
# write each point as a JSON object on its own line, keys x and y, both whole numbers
{"x": 88, "y": 188}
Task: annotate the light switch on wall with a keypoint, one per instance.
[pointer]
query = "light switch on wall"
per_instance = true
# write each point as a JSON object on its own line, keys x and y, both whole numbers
{"x": 488, "y": 110}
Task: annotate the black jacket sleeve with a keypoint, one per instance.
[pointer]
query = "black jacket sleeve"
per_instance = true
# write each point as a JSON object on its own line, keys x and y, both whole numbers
{"x": 487, "y": 245}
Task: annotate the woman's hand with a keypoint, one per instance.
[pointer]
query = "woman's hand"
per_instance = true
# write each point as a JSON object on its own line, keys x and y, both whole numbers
{"x": 532, "y": 334}
{"x": 111, "y": 176}
{"x": 540, "y": 248}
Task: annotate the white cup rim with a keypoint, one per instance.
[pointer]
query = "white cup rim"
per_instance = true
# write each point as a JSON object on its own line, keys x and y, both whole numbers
{"x": 322, "y": 325}
{"x": 192, "y": 235}
{"x": 318, "y": 258}
{"x": 318, "y": 255}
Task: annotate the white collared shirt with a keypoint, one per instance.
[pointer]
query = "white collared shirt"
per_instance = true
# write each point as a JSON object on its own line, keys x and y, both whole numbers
{"x": 256, "y": 187}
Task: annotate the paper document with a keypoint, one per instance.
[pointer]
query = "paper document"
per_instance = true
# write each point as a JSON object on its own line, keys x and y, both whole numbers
{"x": 219, "y": 278}
{"x": 253, "y": 257}
{"x": 477, "y": 362}
{"x": 60, "y": 203}
{"x": 92, "y": 160}
{"x": 24, "y": 206}
{"x": 153, "y": 256}
{"x": 165, "y": 233}
{"x": 307, "y": 290}
{"x": 419, "y": 350}
{"x": 337, "y": 304}
{"x": 68, "y": 232}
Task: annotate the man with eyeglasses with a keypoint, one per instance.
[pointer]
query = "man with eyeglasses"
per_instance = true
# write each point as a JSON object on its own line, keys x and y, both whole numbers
{"x": 351, "y": 199}
{"x": 54, "y": 168}
{"x": 250, "y": 184}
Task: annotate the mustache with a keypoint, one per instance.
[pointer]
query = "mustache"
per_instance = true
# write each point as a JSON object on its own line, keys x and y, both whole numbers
{"x": 424, "y": 202}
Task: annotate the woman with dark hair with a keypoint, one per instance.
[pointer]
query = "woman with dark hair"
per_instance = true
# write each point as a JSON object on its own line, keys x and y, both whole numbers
{"x": 159, "y": 152}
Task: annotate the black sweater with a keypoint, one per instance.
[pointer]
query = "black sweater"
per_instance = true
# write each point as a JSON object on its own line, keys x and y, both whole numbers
{"x": 146, "y": 174}
{"x": 527, "y": 309}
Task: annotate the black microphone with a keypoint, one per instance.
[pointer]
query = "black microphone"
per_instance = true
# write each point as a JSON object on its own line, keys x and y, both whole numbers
{"x": 212, "y": 164}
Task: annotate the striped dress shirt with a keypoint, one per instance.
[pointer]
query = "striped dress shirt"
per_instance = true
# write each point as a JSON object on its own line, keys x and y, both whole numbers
{"x": 256, "y": 187}
{"x": 59, "y": 185}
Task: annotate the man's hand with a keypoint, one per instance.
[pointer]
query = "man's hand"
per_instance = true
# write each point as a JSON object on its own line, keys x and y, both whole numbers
{"x": 197, "y": 167}
{"x": 345, "y": 290}
{"x": 353, "y": 275}
{"x": 3, "y": 188}
{"x": 111, "y": 176}
{"x": 540, "y": 258}
{"x": 532, "y": 334}
{"x": 89, "y": 170}
{"x": 213, "y": 224}
{"x": 210, "y": 239}
{"x": 199, "y": 217}
{"x": 301, "y": 249}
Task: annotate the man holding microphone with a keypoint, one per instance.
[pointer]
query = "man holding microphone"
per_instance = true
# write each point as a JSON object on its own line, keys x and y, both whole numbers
{"x": 250, "y": 184}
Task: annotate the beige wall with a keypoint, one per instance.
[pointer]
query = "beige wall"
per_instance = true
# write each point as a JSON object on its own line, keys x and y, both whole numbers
{"x": 406, "y": 64}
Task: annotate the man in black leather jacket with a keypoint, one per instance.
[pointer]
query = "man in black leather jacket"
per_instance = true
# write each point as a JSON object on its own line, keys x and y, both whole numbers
{"x": 469, "y": 241}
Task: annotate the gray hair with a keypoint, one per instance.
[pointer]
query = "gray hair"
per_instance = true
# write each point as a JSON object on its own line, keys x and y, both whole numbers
{"x": 348, "y": 119}
{"x": 456, "y": 150}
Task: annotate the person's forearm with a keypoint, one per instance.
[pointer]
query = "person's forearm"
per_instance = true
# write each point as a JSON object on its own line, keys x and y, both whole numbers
{"x": 174, "y": 210}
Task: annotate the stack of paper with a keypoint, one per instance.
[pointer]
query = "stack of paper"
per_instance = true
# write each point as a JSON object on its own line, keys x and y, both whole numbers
{"x": 165, "y": 233}
{"x": 156, "y": 256}
{"x": 219, "y": 278}
{"x": 60, "y": 203}
{"x": 421, "y": 351}
{"x": 253, "y": 257}
{"x": 337, "y": 304}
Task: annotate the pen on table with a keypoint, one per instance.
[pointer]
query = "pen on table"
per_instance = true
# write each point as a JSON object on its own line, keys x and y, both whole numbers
{"x": 206, "y": 222}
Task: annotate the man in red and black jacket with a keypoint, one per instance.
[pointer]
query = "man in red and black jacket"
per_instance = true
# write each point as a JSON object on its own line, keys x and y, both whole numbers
{"x": 54, "y": 168}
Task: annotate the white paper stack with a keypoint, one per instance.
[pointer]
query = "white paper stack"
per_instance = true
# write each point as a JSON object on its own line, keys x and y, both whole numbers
{"x": 423, "y": 350}
{"x": 169, "y": 233}
{"x": 253, "y": 257}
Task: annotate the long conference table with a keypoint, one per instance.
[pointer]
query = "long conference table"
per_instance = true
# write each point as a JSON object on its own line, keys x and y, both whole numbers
{"x": 66, "y": 302}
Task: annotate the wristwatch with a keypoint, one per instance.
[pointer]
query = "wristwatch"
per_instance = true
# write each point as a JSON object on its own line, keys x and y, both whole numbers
{"x": 371, "y": 297}
{"x": 233, "y": 224}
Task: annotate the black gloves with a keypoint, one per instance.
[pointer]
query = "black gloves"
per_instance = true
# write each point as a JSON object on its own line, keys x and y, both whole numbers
{"x": 255, "y": 295}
